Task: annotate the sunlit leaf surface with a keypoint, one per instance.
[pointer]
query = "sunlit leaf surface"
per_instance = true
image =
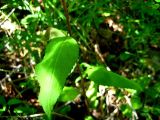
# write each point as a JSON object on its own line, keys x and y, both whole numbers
{"x": 104, "y": 77}
{"x": 60, "y": 56}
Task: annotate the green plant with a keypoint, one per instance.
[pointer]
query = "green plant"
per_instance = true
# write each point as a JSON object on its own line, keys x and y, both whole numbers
{"x": 84, "y": 72}
{"x": 60, "y": 57}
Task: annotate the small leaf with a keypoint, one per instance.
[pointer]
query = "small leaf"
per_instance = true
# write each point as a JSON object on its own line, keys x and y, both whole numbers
{"x": 68, "y": 94}
{"x": 2, "y": 100}
{"x": 60, "y": 56}
{"x": 126, "y": 110}
{"x": 136, "y": 102}
{"x": 29, "y": 19}
{"x": 52, "y": 33}
{"x": 125, "y": 56}
{"x": 89, "y": 118}
{"x": 3, "y": 104}
{"x": 24, "y": 109}
{"x": 103, "y": 77}
{"x": 156, "y": 110}
{"x": 14, "y": 101}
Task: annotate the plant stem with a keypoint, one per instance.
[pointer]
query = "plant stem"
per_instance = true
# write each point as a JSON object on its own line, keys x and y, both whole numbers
{"x": 63, "y": 2}
{"x": 82, "y": 84}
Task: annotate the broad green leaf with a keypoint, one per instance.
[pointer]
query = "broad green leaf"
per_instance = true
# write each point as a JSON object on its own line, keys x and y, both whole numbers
{"x": 60, "y": 56}
{"x": 68, "y": 94}
{"x": 102, "y": 76}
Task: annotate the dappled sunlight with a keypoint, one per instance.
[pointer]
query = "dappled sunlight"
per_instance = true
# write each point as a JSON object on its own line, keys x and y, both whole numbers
{"x": 79, "y": 60}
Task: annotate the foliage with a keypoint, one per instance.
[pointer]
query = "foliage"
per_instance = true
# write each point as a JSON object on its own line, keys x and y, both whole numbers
{"x": 98, "y": 58}
{"x": 53, "y": 70}
{"x": 103, "y": 77}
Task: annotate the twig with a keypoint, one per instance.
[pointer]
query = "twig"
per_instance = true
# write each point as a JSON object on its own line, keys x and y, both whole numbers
{"x": 10, "y": 81}
{"x": 20, "y": 79}
{"x": 111, "y": 117}
{"x": 99, "y": 54}
{"x": 36, "y": 115}
{"x": 2, "y": 70}
{"x": 97, "y": 50}
{"x": 7, "y": 16}
{"x": 134, "y": 114}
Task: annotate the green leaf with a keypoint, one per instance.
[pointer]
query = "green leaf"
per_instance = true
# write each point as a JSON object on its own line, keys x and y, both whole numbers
{"x": 2, "y": 100}
{"x": 29, "y": 19}
{"x": 3, "y": 104}
{"x": 136, "y": 102}
{"x": 156, "y": 110}
{"x": 68, "y": 94}
{"x": 24, "y": 109}
{"x": 60, "y": 56}
{"x": 126, "y": 110}
{"x": 14, "y": 101}
{"x": 157, "y": 0}
{"x": 64, "y": 110}
{"x": 89, "y": 118}
{"x": 125, "y": 56}
{"x": 52, "y": 33}
{"x": 103, "y": 77}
